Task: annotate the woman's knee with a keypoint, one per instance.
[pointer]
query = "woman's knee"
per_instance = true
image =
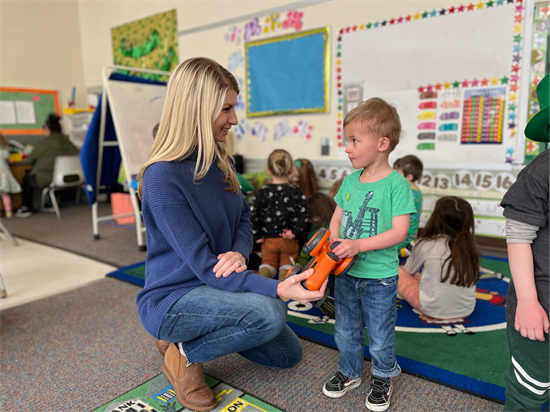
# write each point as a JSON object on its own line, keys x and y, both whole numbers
{"x": 270, "y": 314}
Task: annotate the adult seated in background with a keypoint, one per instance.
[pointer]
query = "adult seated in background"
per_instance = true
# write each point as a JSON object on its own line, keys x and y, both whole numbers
{"x": 198, "y": 292}
{"x": 43, "y": 159}
{"x": 303, "y": 176}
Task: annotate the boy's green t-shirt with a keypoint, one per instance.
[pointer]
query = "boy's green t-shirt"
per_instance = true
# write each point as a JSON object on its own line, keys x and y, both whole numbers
{"x": 368, "y": 209}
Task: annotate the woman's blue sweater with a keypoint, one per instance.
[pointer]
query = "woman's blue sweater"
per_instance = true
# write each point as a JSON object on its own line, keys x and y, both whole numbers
{"x": 188, "y": 225}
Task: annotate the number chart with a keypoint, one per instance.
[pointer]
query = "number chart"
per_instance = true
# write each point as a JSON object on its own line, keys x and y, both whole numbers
{"x": 483, "y": 115}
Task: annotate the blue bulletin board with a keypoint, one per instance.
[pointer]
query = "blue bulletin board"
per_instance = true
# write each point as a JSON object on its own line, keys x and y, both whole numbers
{"x": 288, "y": 74}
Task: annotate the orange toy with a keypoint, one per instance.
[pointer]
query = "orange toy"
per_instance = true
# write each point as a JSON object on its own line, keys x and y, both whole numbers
{"x": 323, "y": 260}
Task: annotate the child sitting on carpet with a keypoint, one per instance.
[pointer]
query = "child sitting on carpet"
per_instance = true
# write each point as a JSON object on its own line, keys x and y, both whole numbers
{"x": 449, "y": 258}
{"x": 279, "y": 215}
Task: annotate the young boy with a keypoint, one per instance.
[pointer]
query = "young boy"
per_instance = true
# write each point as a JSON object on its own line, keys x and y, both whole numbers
{"x": 527, "y": 234}
{"x": 410, "y": 167}
{"x": 372, "y": 216}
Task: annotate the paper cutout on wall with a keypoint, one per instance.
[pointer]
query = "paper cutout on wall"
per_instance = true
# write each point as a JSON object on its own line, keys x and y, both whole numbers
{"x": 233, "y": 35}
{"x": 293, "y": 20}
{"x": 303, "y": 129}
{"x": 240, "y": 129}
{"x": 272, "y": 23}
{"x": 426, "y": 136}
{"x": 276, "y": 22}
{"x": 425, "y": 146}
{"x": 235, "y": 60}
{"x": 240, "y": 102}
{"x": 260, "y": 131}
{"x": 252, "y": 29}
{"x": 281, "y": 130}
{"x": 509, "y": 154}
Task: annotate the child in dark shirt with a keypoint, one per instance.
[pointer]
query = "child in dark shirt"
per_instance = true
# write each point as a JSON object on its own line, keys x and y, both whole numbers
{"x": 527, "y": 303}
{"x": 279, "y": 215}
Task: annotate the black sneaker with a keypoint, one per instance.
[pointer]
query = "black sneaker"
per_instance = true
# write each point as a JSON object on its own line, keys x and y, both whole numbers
{"x": 23, "y": 211}
{"x": 379, "y": 395}
{"x": 338, "y": 385}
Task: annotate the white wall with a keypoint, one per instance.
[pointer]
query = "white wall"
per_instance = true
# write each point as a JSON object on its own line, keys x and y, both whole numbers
{"x": 40, "y": 48}
{"x": 98, "y": 17}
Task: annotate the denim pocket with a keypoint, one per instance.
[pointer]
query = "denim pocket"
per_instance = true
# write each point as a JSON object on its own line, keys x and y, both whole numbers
{"x": 389, "y": 281}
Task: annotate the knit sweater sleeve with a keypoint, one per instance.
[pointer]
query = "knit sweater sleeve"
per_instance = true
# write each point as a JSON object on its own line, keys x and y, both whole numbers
{"x": 186, "y": 236}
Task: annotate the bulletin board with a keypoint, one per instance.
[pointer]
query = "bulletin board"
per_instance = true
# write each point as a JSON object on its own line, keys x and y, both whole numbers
{"x": 24, "y": 111}
{"x": 149, "y": 43}
{"x": 288, "y": 74}
{"x": 453, "y": 75}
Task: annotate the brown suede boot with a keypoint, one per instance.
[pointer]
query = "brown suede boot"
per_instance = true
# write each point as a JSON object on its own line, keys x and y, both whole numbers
{"x": 162, "y": 346}
{"x": 188, "y": 381}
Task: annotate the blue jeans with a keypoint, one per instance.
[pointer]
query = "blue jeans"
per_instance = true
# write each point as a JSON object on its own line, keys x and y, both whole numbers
{"x": 211, "y": 323}
{"x": 366, "y": 303}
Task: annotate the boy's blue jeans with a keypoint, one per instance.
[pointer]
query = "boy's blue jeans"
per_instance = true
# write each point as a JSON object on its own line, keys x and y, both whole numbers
{"x": 211, "y": 323}
{"x": 366, "y": 303}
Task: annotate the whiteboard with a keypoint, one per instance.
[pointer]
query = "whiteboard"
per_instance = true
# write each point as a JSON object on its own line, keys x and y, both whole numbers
{"x": 136, "y": 108}
{"x": 394, "y": 61}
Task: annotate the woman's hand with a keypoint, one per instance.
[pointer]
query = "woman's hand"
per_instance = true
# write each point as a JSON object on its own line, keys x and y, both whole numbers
{"x": 291, "y": 288}
{"x": 228, "y": 263}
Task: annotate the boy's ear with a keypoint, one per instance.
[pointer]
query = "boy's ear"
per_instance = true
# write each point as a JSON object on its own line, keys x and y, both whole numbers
{"x": 383, "y": 144}
{"x": 410, "y": 178}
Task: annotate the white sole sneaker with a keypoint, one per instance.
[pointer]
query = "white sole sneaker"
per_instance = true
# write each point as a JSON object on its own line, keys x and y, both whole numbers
{"x": 351, "y": 386}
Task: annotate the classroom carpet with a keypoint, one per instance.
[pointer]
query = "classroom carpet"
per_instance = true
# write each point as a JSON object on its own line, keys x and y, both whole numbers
{"x": 157, "y": 395}
{"x": 469, "y": 354}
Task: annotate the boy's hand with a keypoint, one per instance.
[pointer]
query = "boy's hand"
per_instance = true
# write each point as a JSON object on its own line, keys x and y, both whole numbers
{"x": 261, "y": 240}
{"x": 531, "y": 320}
{"x": 228, "y": 263}
{"x": 287, "y": 234}
{"x": 346, "y": 248}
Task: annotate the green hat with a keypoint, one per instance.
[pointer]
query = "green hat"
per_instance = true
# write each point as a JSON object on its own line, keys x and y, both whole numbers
{"x": 538, "y": 127}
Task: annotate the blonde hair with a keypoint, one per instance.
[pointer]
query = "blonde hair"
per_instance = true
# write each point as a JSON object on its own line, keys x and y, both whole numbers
{"x": 194, "y": 99}
{"x": 280, "y": 163}
{"x": 379, "y": 118}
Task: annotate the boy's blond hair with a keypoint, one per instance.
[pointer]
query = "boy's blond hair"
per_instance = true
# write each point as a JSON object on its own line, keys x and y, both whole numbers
{"x": 379, "y": 118}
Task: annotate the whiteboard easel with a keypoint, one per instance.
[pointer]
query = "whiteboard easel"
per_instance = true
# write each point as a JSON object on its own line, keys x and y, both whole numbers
{"x": 129, "y": 160}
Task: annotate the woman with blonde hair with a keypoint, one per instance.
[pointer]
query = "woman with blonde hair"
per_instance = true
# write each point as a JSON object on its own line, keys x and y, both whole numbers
{"x": 198, "y": 233}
